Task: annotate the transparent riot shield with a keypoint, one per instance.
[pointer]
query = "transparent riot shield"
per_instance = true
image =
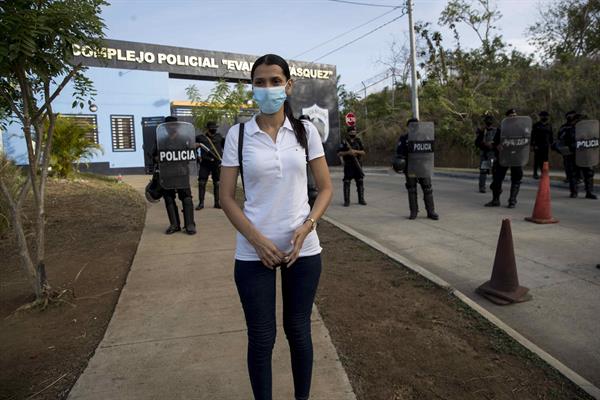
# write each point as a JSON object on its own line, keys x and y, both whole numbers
{"x": 515, "y": 139}
{"x": 421, "y": 136}
{"x": 176, "y": 154}
{"x": 587, "y": 138}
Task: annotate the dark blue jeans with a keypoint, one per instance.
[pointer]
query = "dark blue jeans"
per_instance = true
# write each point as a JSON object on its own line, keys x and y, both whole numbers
{"x": 256, "y": 287}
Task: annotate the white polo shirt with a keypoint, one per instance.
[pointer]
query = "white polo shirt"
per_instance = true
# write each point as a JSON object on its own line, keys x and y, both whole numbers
{"x": 276, "y": 184}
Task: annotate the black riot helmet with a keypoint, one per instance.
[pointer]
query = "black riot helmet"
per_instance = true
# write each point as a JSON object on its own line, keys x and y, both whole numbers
{"x": 153, "y": 191}
{"x": 171, "y": 130}
{"x": 571, "y": 115}
{"x": 544, "y": 116}
{"x": 488, "y": 119}
{"x": 212, "y": 126}
{"x": 411, "y": 120}
{"x": 511, "y": 112}
{"x": 399, "y": 164}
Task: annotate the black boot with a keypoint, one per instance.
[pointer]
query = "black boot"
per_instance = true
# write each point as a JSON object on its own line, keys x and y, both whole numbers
{"x": 173, "y": 214}
{"x": 573, "y": 187}
{"x": 589, "y": 188}
{"x": 201, "y": 192}
{"x": 514, "y": 191}
{"x": 216, "y": 194}
{"x": 495, "y": 199}
{"x": 346, "y": 193}
{"x": 482, "y": 179}
{"x": 428, "y": 199}
{"x": 360, "y": 188}
{"x": 413, "y": 205}
{"x": 188, "y": 216}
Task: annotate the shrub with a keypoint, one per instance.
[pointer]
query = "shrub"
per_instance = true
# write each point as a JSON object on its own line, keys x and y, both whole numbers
{"x": 70, "y": 145}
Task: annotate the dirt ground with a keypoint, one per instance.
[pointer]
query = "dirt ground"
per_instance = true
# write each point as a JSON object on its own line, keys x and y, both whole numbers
{"x": 400, "y": 337}
{"x": 93, "y": 230}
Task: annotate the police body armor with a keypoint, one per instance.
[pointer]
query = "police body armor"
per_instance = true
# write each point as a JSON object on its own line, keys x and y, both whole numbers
{"x": 488, "y": 157}
{"x": 515, "y": 138}
{"x": 176, "y": 154}
{"x": 421, "y": 136}
{"x": 587, "y": 138}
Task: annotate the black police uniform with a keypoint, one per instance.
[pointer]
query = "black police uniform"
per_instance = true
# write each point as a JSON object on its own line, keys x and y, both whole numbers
{"x": 498, "y": 173}
{"x": 185, "y": 196}
{"x": 411, "y": 184}
{"x": 209, "y": 165}
{"x": 567, "y": 137}
{"x": 353, "y": 170}
{"x": 484, "y": 141}
{"x": 541, "y": 140}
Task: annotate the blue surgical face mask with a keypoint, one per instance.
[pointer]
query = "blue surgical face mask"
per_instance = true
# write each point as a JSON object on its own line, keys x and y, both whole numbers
{"x": 270, "y": 99}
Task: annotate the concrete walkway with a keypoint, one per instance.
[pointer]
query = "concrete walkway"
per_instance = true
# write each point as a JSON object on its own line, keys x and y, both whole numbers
{"x": 178, "y": 330}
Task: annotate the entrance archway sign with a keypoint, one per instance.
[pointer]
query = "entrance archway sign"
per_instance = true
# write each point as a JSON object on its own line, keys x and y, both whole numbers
{"x": 315, "y": 84}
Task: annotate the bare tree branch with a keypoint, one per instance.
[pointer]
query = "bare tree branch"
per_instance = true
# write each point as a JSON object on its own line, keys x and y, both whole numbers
{"x": 60, "y": 87}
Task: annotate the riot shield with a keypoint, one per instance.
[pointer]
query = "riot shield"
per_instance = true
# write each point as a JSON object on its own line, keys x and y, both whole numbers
{"x": 176, "y": 153}
{"x": 421, "y": 136}
{"x": 515, "y": 137}
{"x": 587, "y": 138}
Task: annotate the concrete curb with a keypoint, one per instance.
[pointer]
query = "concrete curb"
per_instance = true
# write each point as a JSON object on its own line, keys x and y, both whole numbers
{"x": 574, "y": 377}
{"x": 474, "y": 176}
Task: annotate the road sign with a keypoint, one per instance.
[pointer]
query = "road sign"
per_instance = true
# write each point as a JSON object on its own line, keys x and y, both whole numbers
{"x": 350, "y": 119}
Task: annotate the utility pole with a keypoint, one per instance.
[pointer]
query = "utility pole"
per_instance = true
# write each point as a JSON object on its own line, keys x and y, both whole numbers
{"x": 393, "y": 88}
{"x": 413, "y": 61}
{"x": 365, "y": 101}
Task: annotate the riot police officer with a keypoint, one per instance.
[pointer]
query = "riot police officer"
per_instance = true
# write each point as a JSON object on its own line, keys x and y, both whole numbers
{"x": 485, "y": 143}
{"x": 568, "y": 140}
{"x": 560, "y": 147}
{"x": 541, "y": 139}
{"x": 211, "y": 153}
{"x": 352, "y": 150}
{"x": 499, "y": 172}
{"x": 177, "y": 176}
{"x": 402, "y": 152}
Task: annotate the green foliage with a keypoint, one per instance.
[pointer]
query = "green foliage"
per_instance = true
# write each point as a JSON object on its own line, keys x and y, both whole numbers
{"x": 71, "y": 144}
{"x": 13, "y": 177}
{"x": 568, "y": 29}
{"x": 222, "y": 104}
{"x": 459, "y": 85}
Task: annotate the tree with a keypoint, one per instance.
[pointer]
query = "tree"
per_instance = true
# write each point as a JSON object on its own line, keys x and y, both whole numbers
{"x": 36, "y": 39}
{"x": 222, "y": 104}
{"x": 568, "y": 29}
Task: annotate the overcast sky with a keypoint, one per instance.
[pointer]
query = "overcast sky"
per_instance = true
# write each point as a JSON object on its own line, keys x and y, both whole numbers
{"x": 290, "y": 27}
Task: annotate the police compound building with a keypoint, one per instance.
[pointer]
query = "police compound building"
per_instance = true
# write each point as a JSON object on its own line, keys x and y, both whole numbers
{"x": 128, "y": 106}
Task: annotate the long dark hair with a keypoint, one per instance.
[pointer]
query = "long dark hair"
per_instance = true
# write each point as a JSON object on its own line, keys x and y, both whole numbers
{"x": 297, "y": 125}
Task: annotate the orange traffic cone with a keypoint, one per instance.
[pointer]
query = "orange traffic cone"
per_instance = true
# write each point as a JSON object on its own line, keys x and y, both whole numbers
{"x": 542, "y": 211}
{"x": 503, "y": 288}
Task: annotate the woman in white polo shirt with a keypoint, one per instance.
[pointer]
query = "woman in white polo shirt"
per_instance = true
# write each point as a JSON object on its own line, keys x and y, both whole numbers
{"x": 277, "y": 226}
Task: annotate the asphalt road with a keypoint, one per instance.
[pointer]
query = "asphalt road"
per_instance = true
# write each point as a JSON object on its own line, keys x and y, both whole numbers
{"x": 557, "y": 262}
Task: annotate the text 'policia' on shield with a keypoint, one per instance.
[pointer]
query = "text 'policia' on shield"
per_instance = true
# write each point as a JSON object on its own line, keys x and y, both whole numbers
{"x": 177, "y": 155}
{"x": 421, "y": 146}
{"x": 588, "y": 143}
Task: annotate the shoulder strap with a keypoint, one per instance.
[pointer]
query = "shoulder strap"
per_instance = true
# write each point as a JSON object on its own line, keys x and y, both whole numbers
{"x": 240, "y": 147}
{"x": 306, "y": 151}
